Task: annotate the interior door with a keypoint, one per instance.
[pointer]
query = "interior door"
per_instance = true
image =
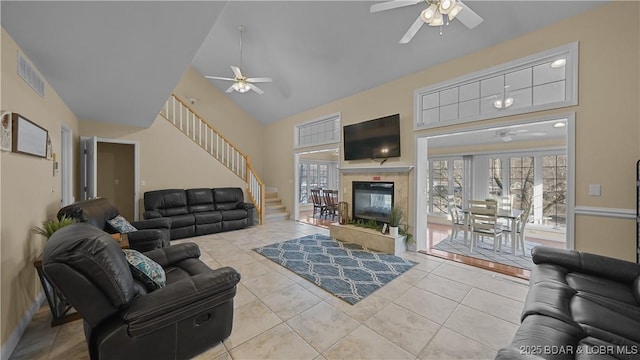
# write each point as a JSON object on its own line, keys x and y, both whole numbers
{"x": 88, "y": 167}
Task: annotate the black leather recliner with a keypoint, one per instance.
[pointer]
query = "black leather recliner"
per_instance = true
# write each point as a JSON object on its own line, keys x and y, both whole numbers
{"x": 151, "y": 234}
{"x": 192, "y": 313}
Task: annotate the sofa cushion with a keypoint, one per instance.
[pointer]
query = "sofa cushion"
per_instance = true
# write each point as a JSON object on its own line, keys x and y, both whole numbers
{"x": 200, "y": 200}
{"x": 636, "y": 289}
{"x": 121, "y": 225}
{"x": 168, "y": 202}
{"x": 93, "y": 211}
{"x": 145, "y": 270}
{"x": 610, "y": 289}
{"x": 227, "y": 198}
{"x": 236, "y": 214}
{"x": 208, "y": 217}
{"x": 179, "y": 221}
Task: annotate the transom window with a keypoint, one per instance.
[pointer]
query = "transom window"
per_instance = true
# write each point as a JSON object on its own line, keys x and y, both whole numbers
{"x": 318, "y": 132}
{"x": 542, "y": 81}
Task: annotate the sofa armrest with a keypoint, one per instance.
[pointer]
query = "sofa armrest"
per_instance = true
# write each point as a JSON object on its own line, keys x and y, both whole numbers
{"x": 592, "y": 264}
{"x": 147, "y": 239}
{"x": 246, "y": 206}
{"x": 153, "y": 223}
{"x": 180, "y": 300}
{"x": 151, "y": 214}
{"x": 173, "y": 254}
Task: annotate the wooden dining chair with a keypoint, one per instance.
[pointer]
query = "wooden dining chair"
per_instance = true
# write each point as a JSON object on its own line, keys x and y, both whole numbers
{"x": 457, "y": 219}
{"x": 484, "y": 223}
{"x": 330, "y": 202}
{"x": 318, "y": 203}
{"x": 523, "y": 219}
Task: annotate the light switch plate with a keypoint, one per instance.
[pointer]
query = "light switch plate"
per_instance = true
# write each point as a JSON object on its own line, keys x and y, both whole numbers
{"x": 594, "y": 189}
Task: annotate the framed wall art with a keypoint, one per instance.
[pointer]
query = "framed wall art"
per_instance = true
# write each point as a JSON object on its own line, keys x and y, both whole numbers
{"x": 5, "y": 131}
{"x": 28, "y": 137}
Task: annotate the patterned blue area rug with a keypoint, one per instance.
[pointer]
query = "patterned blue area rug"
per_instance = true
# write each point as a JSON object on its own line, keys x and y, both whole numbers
{"x": 484, "y": 251}
{"x": 348, "y": 271}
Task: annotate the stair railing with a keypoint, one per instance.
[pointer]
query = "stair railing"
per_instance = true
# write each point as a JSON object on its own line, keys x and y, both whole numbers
{"x": 210, "y": 140}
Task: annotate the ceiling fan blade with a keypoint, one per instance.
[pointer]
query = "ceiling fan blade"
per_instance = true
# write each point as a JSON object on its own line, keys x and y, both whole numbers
{"x": 236, "y": 71}
{"x": 219, "y": 78}
{"x": 394, "y": 4}
{"x": 255, "y": 88}
{"x": 230, "y": 89}
{"x": 259, "y": 80}
{"x": 468, "y": 17}
{"x": 412, "y": 31}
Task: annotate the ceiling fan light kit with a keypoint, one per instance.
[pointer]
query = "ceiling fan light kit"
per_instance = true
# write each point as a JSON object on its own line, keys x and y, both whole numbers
{"x": 437, "y": 13}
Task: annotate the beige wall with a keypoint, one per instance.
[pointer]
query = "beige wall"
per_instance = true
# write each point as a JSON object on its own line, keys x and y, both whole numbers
{"x": 30, "y": 192}
{"x": 168, "y": 159}
{"x": 607, "y": 125}
{"x": 215, "y": 107}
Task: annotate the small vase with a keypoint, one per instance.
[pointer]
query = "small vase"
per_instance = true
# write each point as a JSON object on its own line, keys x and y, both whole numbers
{"x": 393, "y": 231}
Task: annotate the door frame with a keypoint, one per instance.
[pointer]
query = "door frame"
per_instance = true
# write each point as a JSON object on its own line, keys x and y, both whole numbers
{"x": 66, "y": 166}
{"x": 421, "y": 155}
{"x": 136, "y": 164}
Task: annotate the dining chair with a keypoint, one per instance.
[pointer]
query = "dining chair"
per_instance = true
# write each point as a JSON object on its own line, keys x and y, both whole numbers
{"x": 457, "y": 220}
{"x": 522, "y": 223}
{"x": 483, "y": 216}
{"x": 330, "y": 202}
{"x": 318, "y": 203}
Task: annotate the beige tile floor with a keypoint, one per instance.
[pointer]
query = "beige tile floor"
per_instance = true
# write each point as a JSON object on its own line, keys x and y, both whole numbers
{"x": 437, "y": 310}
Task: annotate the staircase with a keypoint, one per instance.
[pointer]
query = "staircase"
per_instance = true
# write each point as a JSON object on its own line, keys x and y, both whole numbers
{"x": 275, "y": 211}
{"x": 194, "y": 127}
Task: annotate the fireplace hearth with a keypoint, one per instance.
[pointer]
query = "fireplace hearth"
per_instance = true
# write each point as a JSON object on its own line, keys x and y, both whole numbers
{"x": 372, "y": 200}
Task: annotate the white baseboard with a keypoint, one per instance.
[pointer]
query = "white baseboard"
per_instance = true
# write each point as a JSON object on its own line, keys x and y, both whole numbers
{"x": 14, "y": 338}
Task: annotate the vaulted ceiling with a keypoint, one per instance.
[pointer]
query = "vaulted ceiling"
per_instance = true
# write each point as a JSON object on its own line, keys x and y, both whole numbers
{"x": 119, "y": 61}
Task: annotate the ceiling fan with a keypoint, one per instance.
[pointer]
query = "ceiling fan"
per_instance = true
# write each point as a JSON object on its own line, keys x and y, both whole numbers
{"x": 241, "y": 83}
{"x": 437, "y": 13}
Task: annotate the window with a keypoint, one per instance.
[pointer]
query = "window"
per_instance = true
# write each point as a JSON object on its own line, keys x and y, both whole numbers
{"x": 554, "y": 190}
{"x": 318, "y": 132}
{"x": 495, "y": 177}
{"x": 521, "y": 180}
{"x": 445, "y": 178}
{"x": 316, "y": 175}
{"x": 542, "y": 81}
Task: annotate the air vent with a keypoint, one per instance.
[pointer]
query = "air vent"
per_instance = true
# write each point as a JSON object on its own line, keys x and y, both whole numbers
{"x": 29, "y": 73}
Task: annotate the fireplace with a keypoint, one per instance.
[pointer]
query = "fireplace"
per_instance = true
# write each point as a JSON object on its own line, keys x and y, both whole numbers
{"x": 372, "y": 200}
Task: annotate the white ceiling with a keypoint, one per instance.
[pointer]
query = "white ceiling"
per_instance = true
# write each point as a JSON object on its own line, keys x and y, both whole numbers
{"x": 119, "y": 61}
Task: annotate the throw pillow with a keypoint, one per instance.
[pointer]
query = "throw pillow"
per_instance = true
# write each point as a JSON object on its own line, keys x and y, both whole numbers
{"x": 121, "y": 225}
{"x": 145, "y": 270}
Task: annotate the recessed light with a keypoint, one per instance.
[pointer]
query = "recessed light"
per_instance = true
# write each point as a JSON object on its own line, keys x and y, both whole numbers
{"x": 559, "y": 63}
{"x": 560, "y": 124}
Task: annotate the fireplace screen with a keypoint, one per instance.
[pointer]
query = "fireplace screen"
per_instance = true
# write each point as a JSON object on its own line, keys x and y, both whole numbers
{"x": 372, "y": 200}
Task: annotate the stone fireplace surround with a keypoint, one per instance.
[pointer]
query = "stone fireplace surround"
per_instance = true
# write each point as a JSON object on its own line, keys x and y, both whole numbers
{"x": 399, "y": 175}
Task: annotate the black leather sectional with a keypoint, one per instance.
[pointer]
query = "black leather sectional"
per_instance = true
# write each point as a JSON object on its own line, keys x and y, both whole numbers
{"x": 579, "y": 306}
{"x": 195, "y": 212}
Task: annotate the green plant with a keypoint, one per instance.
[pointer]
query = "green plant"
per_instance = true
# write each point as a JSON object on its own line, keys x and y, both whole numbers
{"x": 395, "y": 216}
{"x": 408, "y": 237}
{"x": 51, "y": 226}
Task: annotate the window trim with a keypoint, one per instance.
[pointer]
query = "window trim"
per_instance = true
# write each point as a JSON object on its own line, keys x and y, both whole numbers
{"x": 571, "y": 51}
{"x": 299, "y": 126}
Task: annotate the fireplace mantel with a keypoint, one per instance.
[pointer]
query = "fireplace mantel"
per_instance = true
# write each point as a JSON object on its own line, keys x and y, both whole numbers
{"x": 376, "y": 169}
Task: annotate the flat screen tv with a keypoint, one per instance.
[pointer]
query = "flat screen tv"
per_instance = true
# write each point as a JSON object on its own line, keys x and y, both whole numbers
{"x": 373, "y": 139}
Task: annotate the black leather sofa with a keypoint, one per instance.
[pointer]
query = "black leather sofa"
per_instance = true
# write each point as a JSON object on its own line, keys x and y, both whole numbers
{"x": 151, "y": 234}
{"x": 579, "y": 306}
{"x": 122, "y": 320}
{"x": 195, "y": 212}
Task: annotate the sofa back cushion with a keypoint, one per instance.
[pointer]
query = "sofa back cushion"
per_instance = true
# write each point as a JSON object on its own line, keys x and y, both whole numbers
{"x": 93, "y": 211}
{"x": 227, "y": 198}
{"x": 200, "y": 200}
{"x": 636, "y": 289}
{"x": 168, "y": 202}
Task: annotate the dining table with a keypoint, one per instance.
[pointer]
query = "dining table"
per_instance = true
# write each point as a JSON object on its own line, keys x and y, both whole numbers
{"x": 512, "y": 217}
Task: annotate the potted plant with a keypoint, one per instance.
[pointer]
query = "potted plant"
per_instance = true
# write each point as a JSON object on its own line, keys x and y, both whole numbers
{"x": 395, "y": 216}
{"x": 51, "y": 226}
{"x": 409, "y": 241}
